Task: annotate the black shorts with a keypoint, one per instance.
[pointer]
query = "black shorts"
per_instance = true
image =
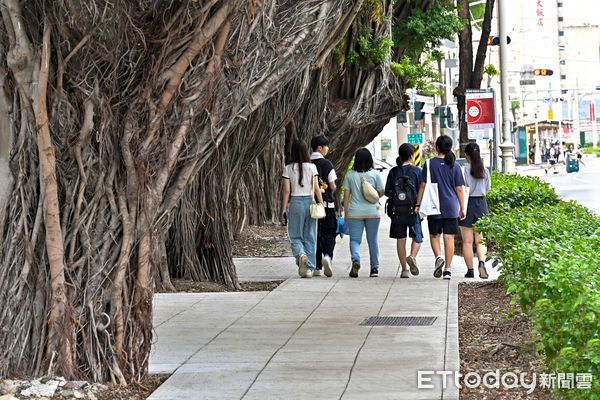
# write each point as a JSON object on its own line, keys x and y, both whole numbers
{"x": 579, "y": 156}
{"x": 398, "y": 231}
{"x": 476, "y": 209}
{"x": 552, "y": 161}
{"x": 447, "y": 226}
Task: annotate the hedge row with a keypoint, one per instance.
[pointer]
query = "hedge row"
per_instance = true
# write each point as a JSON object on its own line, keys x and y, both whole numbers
{"x": 548, "y": 251}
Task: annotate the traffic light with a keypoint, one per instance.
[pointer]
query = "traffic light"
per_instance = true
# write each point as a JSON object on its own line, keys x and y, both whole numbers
{"x": 446, "y": 120}
{"x": 495, "y": 40}
{"x": 419, "y": 114}
{"x": 401, "y": 117}
{"x": 542, "y": 72}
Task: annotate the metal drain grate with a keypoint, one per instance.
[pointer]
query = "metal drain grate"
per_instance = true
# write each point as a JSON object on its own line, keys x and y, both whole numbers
{"x": 399, "y": 321}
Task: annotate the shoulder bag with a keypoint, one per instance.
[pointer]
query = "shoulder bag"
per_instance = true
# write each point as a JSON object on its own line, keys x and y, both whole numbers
{"x": 430, "y": 203}
{"x": 368, "y": 191}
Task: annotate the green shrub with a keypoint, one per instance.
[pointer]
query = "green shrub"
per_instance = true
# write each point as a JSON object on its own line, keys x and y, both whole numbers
{"x": 592, "y": 150}
{"x": 548, "y": 251}
{"x": 511, "y": 191}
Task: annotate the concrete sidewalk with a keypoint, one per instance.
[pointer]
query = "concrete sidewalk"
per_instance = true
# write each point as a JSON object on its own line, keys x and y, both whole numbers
{"x": 305, "y": 340}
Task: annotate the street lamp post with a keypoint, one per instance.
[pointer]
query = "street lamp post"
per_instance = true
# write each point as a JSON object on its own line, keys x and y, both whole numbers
{"x": 507, "y": 147}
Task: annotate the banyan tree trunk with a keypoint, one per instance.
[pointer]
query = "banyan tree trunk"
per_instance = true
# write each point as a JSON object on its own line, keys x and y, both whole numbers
{"x": 347, "y": 102}
{"x": 114, "y": 108}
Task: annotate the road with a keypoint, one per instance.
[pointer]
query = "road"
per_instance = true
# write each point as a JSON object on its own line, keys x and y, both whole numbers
{"x": 583, "y": 186}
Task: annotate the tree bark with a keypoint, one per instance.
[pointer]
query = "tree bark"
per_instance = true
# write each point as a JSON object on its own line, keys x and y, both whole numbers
{"x": 150, "y": 98}
{"x": 470, "y": 72}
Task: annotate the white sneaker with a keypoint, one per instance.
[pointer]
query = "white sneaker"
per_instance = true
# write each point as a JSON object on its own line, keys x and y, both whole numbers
{"x": 308, "y": 274}
{"x": 318, "y": 272}
{"x": 412, "y": 263}
{"x": 327, "y": 266}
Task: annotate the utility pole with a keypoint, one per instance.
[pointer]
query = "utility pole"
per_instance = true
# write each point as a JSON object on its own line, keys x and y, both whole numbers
{"x": 507, "y": 147}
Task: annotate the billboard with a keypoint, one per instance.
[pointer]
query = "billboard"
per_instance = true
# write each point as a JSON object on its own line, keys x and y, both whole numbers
{"x": 481, "y": 113}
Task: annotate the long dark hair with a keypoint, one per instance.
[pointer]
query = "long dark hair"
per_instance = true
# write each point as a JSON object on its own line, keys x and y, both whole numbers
{"x": 363, "y": 160}
{"x": 477, "y": 168}
{"x": 405, "y": 152}
{"x": 299, "y": 155}
{"x": 443, "y": 145}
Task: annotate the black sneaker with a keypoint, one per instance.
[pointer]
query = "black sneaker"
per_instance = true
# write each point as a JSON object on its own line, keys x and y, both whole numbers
{"x": 447, "y": 274}
{"x": 354, "y": 269}
{"x": 374, "y": 272}
{"x": 470, "y": 273}
{"x": 482, "y": 271}
{"x": 439, "y": 264}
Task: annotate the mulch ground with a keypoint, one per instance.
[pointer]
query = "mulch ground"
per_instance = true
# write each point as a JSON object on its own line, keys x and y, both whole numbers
{"x": 183, "y": 285}
{"x": 136, "y": 391}
{"x": 495, "y": 335}
{"x": 269, "y": 240}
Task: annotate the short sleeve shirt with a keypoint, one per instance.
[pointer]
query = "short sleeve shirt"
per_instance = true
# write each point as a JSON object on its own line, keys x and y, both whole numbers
{"x": 447, "y": 178}
{"x": 292, "y": 172}
{"x": 415, "y": 173}
{"x": 359, "y": 206}
{"x": 478, "y": 187}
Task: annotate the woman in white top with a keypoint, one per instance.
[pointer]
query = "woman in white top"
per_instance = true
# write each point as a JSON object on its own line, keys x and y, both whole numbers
{"x": 477, "y": 179}
{"x": 300, "y": 186}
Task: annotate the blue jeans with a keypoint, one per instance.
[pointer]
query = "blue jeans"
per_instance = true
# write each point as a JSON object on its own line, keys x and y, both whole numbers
{"x": 302, "y": 229}
{"x": 356, "y": 227}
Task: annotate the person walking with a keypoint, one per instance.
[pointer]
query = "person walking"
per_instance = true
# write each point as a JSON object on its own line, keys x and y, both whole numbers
{"x": 360, "y": 213}
{"x": 402, "y": 188}
{"x": 477, "y": 179}
{"x": 300, "y": 187}
{"x": 553, "y": 159}
{"x": 448, "y": 176}
{"x": 580, "y": 154}
{"x": 326, "y": 227}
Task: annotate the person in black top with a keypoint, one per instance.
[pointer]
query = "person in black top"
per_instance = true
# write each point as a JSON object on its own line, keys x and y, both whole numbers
{"x": 327, "y": 227}
{"x": 398, "y": 230}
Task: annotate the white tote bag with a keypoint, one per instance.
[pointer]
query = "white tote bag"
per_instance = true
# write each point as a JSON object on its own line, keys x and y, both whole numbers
{"x": 430, "y": 203}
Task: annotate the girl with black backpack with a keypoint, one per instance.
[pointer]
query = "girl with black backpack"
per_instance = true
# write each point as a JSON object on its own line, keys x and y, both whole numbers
{"x": 401, "y": 188}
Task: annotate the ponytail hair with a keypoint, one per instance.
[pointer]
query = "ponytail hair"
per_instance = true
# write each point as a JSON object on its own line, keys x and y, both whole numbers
{"x": 299, "y": 155}
{"x": 443, "y": 145}
{"x": 405, "y": 152}
{"x": 477, "y": 168}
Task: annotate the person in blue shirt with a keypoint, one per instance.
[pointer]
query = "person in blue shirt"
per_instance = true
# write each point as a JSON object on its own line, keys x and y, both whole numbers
{"x": 449, "y": 178}
{"x": 398, "y": 231}
{"x": 359, "y": 213}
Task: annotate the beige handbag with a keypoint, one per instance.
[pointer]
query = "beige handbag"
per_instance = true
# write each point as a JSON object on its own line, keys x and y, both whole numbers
{"x": 317, "y": 211}
{"x": 368, "y": 191}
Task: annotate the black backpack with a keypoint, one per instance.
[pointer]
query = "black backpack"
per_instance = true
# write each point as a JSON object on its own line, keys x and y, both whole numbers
{"x": 400, "y": 205}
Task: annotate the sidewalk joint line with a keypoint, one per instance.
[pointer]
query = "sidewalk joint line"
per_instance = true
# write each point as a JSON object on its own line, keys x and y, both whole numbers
{"x": 368, "y": 334}
{"x": 179, "y": 313}
{"x": 220, "y": 332}
{"x": 288, "y": 339}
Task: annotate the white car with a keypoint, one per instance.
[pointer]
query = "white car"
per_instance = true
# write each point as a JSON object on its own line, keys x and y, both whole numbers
{"x": 383, "y": 167}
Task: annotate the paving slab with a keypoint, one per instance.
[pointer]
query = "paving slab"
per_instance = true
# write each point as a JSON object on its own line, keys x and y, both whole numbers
{"x": 304, "y": 340}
